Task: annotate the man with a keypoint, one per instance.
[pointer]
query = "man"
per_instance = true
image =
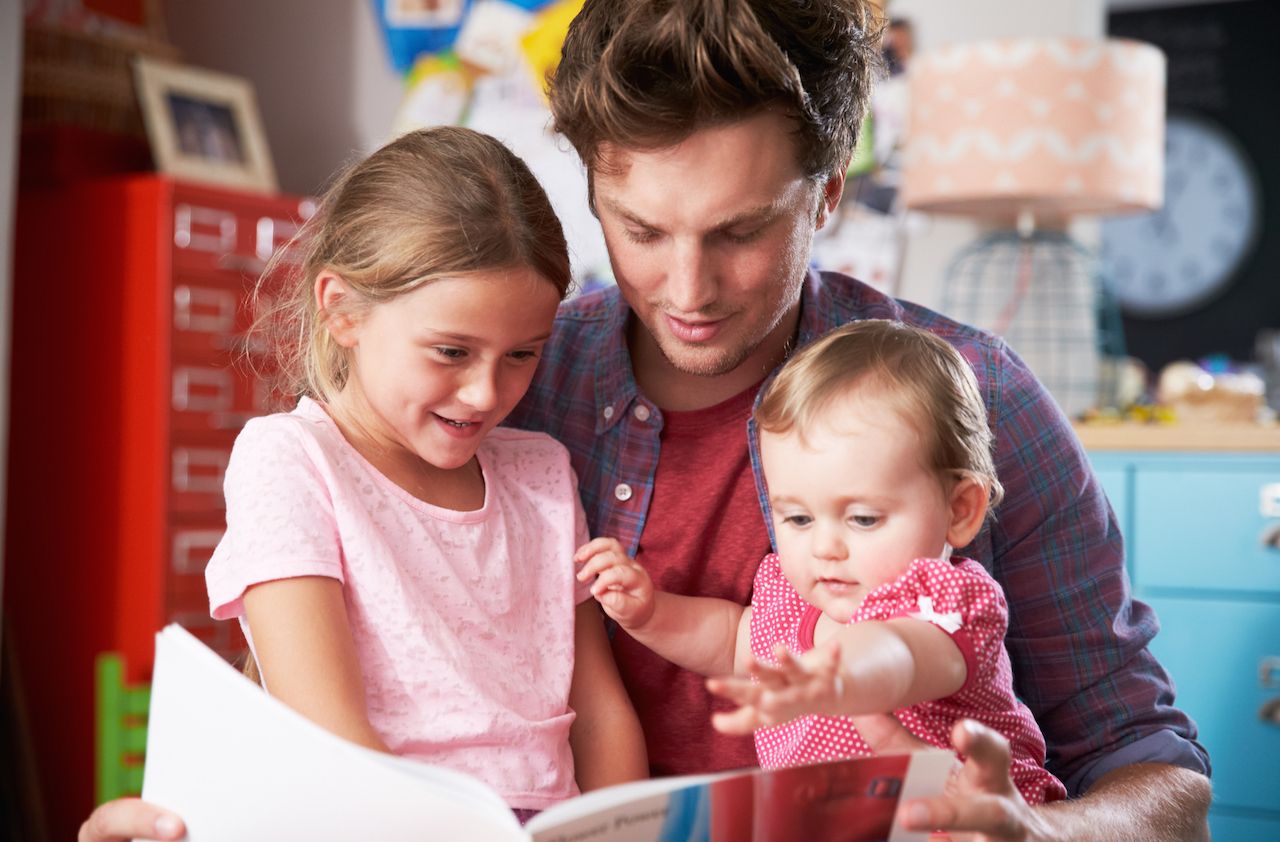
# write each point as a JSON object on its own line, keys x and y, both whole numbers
{"x": 716, "y": 134}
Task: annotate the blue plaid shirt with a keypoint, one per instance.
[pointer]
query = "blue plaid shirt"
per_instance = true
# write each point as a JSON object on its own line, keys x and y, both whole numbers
{"x": 1077, "y": 639}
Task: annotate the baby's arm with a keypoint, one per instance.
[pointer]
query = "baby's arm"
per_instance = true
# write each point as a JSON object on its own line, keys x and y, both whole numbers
{"x": 307, "y": 656}
{"x": 701, "y": 634}
{"x": 865, "y": 668}
{"x": 608, "y": 745}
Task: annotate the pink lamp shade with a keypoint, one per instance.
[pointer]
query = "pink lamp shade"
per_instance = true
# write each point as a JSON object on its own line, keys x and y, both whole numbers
{"x": 1054, "y": 126}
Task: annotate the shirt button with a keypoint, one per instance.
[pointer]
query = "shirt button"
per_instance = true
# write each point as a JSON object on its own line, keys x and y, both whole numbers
{"x": 608, "y": 412}
{"x": 622, "y": 492}
{"x": 641, "y": 412}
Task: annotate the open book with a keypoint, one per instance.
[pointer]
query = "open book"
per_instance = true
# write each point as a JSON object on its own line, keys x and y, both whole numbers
{"x": 239, "y": 765}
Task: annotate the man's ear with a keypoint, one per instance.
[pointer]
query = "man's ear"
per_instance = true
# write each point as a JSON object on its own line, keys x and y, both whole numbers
{"x": 333, "y": 308}
{"x": 832, "y": 190}
{"x": 968, "y": 511}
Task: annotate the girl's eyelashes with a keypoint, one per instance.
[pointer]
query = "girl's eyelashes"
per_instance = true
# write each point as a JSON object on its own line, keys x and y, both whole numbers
{"x": 523, "y": 356}
{"x": 798, "y": 521}
{"x": 864, "y": 521}
{"x": 449, "y": 353}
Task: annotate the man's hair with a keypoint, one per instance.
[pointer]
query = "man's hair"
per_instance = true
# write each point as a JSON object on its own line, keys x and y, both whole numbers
{"x": 922, "y": 378}
{"x": 646, "y": 74}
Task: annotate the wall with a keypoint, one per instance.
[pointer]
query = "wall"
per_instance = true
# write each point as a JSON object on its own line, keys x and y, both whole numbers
{"x": 325, "y": 87}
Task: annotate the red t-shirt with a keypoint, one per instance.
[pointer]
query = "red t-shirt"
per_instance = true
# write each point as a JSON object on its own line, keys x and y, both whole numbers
{"x": 704, "y": 536}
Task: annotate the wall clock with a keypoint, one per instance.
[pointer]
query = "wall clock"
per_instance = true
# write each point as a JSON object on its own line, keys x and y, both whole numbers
{"x": 1172, "y": 261}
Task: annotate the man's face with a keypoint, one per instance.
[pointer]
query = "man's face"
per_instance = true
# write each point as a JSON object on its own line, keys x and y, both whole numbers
{"x": 709, "y": 241}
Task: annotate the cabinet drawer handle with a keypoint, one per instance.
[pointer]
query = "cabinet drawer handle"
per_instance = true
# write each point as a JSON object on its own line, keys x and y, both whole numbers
{"x": 1270, "y": 537}
{"x": 1269, "y": 672}
{"x": 1270, "y": 711}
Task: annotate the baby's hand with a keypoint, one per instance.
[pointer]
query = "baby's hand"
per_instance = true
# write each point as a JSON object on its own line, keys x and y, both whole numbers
{"x": 622, "y": 587}
{"x": 770, "y": 695}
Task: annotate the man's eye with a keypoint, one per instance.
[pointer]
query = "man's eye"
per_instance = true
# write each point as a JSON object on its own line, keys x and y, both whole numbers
{"x": 642, "y": 236}
{"x": 742, "y": 236}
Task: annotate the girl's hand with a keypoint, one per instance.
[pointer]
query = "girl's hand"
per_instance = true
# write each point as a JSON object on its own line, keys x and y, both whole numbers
{"x": 770, "y": 695}
{"x": 622, "y": 587}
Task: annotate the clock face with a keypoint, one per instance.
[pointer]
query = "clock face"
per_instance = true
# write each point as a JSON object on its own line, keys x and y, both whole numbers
{"x": 1178, "y": 258}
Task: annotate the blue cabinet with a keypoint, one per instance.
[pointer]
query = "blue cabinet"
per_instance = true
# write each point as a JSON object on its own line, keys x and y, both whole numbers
{"x": 1197, "y": 528}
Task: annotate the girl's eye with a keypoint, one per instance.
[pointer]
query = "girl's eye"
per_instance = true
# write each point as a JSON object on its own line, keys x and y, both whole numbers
{"x": 797, "y": 520}
{"x": 865, "y": 521}
{"x": 523, "y": 356}
{"x": 450, "y": 353}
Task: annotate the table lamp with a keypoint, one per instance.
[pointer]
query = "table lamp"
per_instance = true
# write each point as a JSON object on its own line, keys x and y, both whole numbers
{"x": 1026, "y": 134}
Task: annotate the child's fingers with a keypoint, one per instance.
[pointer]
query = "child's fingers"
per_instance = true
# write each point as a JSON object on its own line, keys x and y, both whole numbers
{"x": 735, "y": 688}
{"x": 596, "y": 564}
{"x": 737, "y": 723}
{"x": 597, "y": 545}
{"x": 616, "y": 579}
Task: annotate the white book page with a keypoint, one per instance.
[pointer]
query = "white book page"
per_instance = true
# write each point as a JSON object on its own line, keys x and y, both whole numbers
{"x": 236, "y": 764}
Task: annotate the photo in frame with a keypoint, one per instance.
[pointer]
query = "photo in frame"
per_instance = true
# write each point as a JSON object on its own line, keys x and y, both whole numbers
{"x": 203, "y": 126}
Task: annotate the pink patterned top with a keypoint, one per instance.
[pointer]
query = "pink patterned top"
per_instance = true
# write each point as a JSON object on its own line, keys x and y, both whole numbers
{"x": 931, "y": 587}
{"x": 463, "y": 621}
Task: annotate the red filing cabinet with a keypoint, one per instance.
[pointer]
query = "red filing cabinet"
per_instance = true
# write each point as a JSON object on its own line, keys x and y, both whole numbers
{"x": 130, "y": 305}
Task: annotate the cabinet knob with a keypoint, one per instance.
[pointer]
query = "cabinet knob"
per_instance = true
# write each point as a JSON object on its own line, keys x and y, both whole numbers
{"x": 1269, "y": 672}
{"x": 1270, "y": 711}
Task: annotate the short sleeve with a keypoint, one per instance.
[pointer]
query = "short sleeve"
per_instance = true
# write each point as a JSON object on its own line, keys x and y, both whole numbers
{"x": 280, "y": 517}
{"x": 960, "y": 591}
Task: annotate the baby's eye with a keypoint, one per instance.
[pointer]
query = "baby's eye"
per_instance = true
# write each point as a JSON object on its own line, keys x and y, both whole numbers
{"x": 798, "y": 521}
{"x": 865, "y": 521}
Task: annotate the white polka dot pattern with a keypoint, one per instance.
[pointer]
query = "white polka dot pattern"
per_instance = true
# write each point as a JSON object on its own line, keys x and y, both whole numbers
{"x": 961, "y": 586}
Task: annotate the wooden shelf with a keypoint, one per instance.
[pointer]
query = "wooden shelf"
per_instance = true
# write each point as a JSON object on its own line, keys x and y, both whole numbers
{"x": 1181, "y": 437}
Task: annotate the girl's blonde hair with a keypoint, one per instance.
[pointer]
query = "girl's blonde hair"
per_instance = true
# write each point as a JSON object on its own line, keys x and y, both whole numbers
{"x": 922, "y": 378}
{"x": 434, "y": 203}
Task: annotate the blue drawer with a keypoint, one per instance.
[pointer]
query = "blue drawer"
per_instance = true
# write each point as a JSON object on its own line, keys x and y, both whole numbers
{"x": 1213, "y": 649}
{"x": 1198, "y": 527}
{"x": 1226, "y": 827}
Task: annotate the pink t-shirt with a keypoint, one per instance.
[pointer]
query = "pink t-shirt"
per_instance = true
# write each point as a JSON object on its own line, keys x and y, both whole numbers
{"x": 463, "y": 621}
{"x": 966, "y": 602}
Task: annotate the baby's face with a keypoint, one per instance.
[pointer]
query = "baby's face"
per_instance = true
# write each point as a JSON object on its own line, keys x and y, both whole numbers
{"x": 852, "y": 503}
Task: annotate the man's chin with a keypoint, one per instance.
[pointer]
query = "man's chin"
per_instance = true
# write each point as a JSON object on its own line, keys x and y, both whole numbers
{"x": 700, "y": 361}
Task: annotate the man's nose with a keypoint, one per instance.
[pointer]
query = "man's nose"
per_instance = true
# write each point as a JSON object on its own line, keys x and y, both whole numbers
{"x": 691, "y": 285}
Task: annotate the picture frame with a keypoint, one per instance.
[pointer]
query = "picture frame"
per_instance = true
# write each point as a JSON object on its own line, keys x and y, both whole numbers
{"x": 203, "y": 126}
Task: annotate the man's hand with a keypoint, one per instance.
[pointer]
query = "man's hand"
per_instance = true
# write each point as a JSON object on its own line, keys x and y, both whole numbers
{"x": 622, "y": 587}
{"x": 981, "y": 802}
{"x": 130, "y": 818}
{"x": 770, "y": 695}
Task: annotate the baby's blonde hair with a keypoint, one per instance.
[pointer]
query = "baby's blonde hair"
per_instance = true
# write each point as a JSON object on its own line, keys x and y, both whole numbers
{"x": 434, "y": 203}
{"x": 919, "y": 375}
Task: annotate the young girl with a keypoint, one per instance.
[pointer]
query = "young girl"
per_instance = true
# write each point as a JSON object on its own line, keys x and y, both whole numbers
{"x": 877, "y": 458}
{"x": 399, "y": 564}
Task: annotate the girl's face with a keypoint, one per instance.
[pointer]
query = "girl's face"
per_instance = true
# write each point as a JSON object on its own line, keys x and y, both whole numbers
{"x": 853, "y": 504}
{"x": 434, "y": 370}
